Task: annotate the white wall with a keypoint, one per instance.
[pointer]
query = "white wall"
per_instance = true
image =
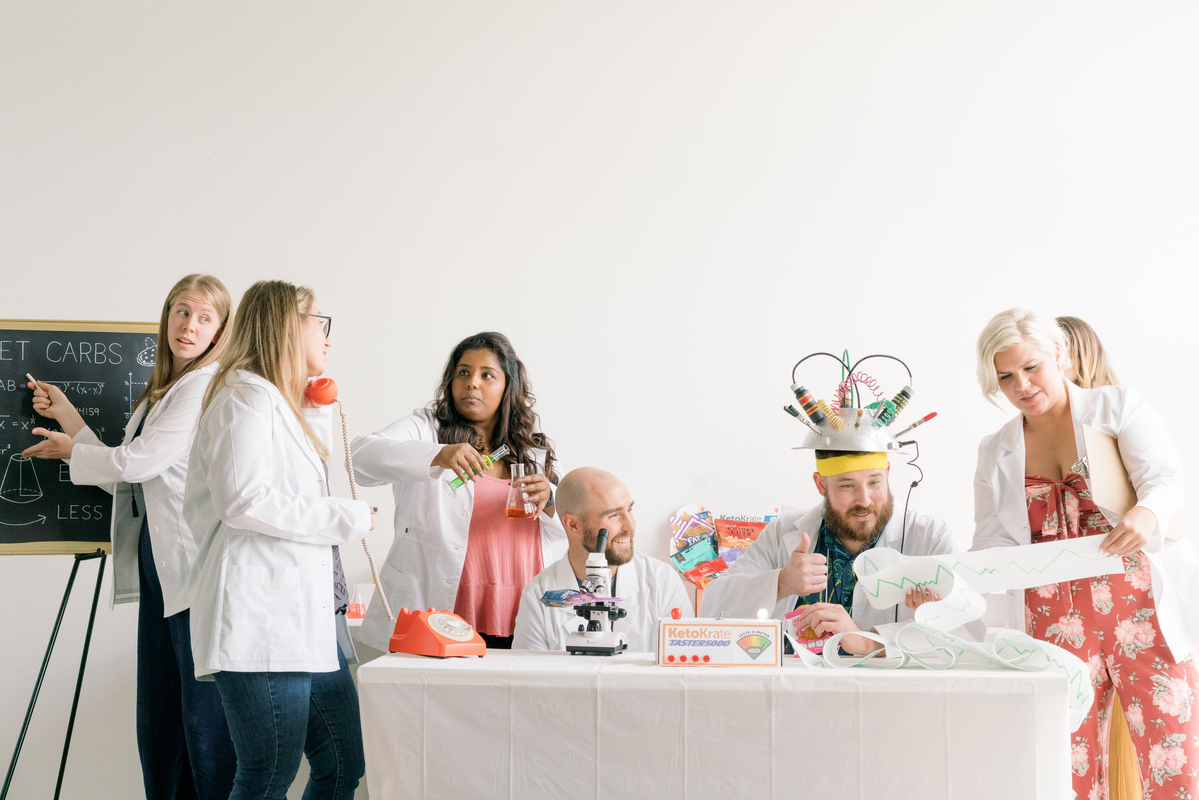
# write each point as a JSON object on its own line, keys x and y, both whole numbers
{"x": 663, "y": 204}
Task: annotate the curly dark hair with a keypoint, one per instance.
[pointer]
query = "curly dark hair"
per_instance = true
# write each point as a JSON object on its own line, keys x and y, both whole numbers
{"x": 516, "y": 421}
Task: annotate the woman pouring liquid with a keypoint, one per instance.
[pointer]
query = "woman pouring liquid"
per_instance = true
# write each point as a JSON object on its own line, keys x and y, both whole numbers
{"x": 469, "y": 550}
{"x": 182, "y": 739}
{"x": 266, "y": 586}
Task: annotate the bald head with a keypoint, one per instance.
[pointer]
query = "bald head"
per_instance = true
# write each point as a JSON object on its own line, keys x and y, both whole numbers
{"x": 588, "y": 499}
{"x": 580, "y": 486}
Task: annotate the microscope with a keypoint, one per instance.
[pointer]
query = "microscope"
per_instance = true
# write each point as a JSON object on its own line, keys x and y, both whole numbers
{"x": 596, "y": 637}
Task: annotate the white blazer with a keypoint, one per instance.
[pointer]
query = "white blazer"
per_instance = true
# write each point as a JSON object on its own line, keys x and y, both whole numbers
{"x": 158, "y": 460}
{"x": 1155, "y": 469}
{"x": 752, "y": 581}
{"x": 257, "y": 503}
{"x": 649, "y": 588}
{"x": 424, "y": 565}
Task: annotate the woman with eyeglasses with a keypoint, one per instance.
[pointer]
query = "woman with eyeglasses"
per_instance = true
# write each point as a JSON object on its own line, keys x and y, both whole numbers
{"x": 268, "y": 595}
{"x": 182, "y": 739}
{"x": 461, "y": 551}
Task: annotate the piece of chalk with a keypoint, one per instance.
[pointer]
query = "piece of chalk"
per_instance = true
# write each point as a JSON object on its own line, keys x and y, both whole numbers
{"x": 32, "y": 379}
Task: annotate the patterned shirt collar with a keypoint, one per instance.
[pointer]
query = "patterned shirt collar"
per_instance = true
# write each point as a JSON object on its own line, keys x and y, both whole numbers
{"x": 841, "y": 577}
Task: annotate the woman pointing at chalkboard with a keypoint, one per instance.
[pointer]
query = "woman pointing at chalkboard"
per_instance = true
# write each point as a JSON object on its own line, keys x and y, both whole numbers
{"x": 182, "y": 737}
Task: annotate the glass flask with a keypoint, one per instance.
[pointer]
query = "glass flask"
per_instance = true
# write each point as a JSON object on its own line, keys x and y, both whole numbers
{"x": 518, "y": 506}
{"x": 357, "y": 609}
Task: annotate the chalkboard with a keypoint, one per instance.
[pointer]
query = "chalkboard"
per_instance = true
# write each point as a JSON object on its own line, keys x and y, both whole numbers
{"x": 102, "y": 367}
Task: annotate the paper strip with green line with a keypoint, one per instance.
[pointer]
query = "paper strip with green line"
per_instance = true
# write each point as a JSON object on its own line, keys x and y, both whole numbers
{"x": 886, "y": 575}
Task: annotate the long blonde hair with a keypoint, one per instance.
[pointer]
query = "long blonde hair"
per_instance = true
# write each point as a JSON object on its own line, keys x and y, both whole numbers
{"x": 1086, "y": 351}
{"x": 161, "y": 379}
{"x": 267, "y": 339}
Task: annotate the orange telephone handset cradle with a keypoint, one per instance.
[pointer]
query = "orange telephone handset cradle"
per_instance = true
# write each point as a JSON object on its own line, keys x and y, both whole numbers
{"x": 441, "y": 634}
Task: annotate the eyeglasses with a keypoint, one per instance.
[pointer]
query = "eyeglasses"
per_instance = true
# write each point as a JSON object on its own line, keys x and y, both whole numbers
{"x": 326, "y": 323}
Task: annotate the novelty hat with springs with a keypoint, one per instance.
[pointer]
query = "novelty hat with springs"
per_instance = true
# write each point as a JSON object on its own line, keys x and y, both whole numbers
{"x": 851, "y": 426}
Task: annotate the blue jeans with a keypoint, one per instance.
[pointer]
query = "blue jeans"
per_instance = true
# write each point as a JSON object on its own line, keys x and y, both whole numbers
{"x": 276, "y": 716}
{"x": 182, "y": 737}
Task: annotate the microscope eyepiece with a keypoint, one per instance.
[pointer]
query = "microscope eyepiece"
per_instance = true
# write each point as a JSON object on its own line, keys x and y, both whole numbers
{"x": 601, "y": 541}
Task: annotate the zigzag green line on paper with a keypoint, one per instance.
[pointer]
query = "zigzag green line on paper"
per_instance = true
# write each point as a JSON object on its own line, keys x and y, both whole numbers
{"x": 963, "y": 609}
{"x": 1021, "y": 652}
{"x": 967, "y": 568}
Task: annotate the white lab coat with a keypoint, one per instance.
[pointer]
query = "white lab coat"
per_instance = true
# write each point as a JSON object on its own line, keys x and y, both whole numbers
{"x": 158, "y": 460}
{"x": 649, "y": 590}
{"x": 425, "y": 562}
{"x": 1155, "y": 469}
{"x": 257, "y": 503}
{"x": 751, "y": 582}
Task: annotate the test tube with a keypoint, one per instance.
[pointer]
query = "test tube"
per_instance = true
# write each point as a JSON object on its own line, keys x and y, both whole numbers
{"x": 808, "y": 404}
{"x": 453, "y": 486}
{"x": 900, "y": 400}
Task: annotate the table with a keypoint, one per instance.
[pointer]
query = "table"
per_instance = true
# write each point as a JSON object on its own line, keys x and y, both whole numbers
{"x": 548, "y": 725}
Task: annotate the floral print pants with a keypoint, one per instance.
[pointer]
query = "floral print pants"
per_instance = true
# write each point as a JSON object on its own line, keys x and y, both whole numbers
{"x": 1110, "y": 623}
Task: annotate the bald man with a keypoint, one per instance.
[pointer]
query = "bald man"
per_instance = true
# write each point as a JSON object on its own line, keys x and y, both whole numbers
{"x": 589, "y": 499}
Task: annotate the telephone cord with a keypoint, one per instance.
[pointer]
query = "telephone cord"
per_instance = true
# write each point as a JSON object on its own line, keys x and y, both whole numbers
{"x": 345, "y": 440}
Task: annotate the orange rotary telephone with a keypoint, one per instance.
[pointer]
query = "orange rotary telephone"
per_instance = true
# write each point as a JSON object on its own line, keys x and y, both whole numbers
{"x": 441, "y": 634}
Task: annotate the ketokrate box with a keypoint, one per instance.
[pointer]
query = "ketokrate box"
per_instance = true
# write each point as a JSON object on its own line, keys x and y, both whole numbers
{"x": 719, "y": 643}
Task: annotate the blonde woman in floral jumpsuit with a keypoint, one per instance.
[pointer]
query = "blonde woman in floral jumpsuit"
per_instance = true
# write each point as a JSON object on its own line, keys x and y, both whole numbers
{"x": 1134, "y": 630}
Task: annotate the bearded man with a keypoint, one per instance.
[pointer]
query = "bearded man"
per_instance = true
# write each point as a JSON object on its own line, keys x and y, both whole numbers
{"x": 589, "y": 499}
{"x": 804, "y": 560}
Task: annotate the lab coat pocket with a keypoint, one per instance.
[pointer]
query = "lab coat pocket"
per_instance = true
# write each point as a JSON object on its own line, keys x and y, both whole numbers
{"x": 399, "y": 588}
{"x": 426, "y": 537}
{"x": 263, "y": 616}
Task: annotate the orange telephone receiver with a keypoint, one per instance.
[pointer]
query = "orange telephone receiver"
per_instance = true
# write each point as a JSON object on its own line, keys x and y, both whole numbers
{"x": 441, "y": 634}
{"x": 322, "y": 391}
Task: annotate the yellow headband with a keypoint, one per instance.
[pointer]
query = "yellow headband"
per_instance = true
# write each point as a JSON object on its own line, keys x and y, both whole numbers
{"x": 850, "y": 463}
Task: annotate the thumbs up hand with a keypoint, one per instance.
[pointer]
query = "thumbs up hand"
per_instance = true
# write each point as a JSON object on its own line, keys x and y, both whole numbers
{"x": 805, "y": 573}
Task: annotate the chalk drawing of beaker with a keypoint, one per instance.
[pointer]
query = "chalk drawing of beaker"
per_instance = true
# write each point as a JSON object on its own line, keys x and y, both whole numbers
{"x": 146, "y": 356}
{"x": 20, "y": 484}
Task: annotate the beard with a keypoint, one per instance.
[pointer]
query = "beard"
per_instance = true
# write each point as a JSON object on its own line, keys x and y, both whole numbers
{"x": 844, "y": 526}
{"x": 615, "y": 558}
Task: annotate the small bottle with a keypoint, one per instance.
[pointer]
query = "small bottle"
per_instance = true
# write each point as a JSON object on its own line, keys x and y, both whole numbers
{"x": 453, "y": 486}
{"x": 518, "y": 506}
{"x": 357, "y": 609}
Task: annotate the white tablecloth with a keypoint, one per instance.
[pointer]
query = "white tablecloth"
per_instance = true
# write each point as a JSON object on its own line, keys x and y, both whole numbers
{"x": 548, "y": 725}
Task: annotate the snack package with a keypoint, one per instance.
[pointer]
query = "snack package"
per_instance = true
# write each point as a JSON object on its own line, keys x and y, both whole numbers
{"x": 738, "y": 534}
{"x": 691, "y": 556}
{"x": 700, "y": 518}
{"x": 806, "y": 638}
{"x": 568, "y": 598}
{"x": 690, "y": 527}
{"x": 687, "y": 541}
{"x": 730, "y": 554}
{"x": 702, "y": 575}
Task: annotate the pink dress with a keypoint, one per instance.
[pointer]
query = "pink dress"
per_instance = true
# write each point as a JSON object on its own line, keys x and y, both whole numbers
{"x": 1110, "y": 623}
{"x": 502, "y": 555}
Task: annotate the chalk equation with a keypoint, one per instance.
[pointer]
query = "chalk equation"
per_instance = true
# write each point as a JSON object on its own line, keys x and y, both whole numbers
{"x": 12, "y": 424}
{"x": 79, "y": 387}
